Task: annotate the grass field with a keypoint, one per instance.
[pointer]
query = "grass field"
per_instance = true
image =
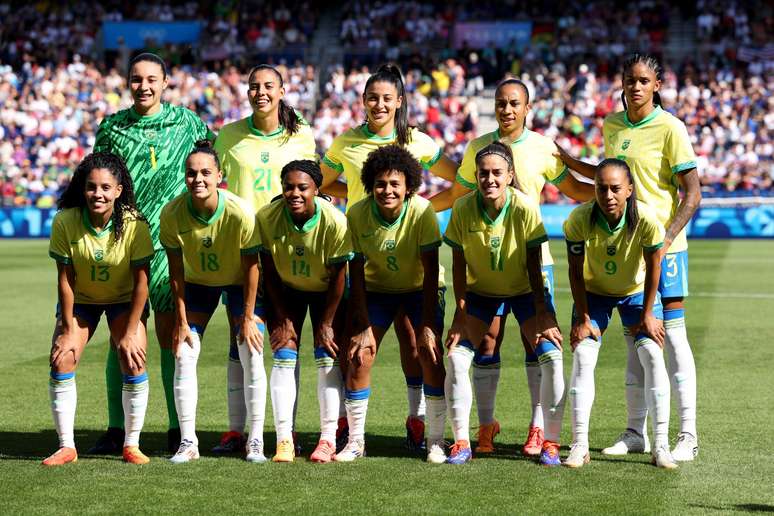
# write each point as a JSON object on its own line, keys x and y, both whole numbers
{"x": 731, "y": 325}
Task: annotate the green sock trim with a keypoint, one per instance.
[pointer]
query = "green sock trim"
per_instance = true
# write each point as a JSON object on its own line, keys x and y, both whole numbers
{"x": 168, "y": 379}
{"x": 114, "y": 383}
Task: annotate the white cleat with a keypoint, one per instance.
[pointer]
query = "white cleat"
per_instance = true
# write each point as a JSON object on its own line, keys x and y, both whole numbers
{"x": 353, "y": 450}
{"x": 435, "y": 451}
{"x": 578, "y": 457}
{"x": 687, "y": 447}
{"x": 187, "y": 452}
{"x": 629, "y": 442}
{"x": 662, "y": 457}
{"x": 254, "y": 450}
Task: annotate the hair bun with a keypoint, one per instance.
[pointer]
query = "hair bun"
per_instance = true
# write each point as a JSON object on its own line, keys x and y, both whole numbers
{"x": 203, "y": 144}
{"x": 391, "y": 69}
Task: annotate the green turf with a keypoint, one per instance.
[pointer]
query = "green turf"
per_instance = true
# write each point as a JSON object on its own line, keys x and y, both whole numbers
{"x": 730, "y": 326}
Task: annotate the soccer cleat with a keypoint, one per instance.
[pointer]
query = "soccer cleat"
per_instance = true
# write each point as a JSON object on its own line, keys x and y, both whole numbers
{"x": 686, "y": 448}
{"x": 578, "y": 457}
{"x": 285, "y": 451}
{"x": 342, "y": 433}
{"x": 187, "y": 452}
{"x": 323, "y": 453}
{"x": 173, "y": 440}
{"x": 61, "y": 457}
{"x": 460, "y": 453}
{"x": 415, "y": 434}
{"x": 662, "y": 458}
{"x": 230, "y": 442}
{"x": 353, "y": 450}
{"x": 254, "y": 451}
{"x": 109, "y": 443}
{"x": 629, "y": 442}
{"x": 550, "y": 454}
{"x": 435, "y": 452}
{"x": 133, "y": 455}
{"x": 533, "y": 446}
{"x": 486, "y": 435}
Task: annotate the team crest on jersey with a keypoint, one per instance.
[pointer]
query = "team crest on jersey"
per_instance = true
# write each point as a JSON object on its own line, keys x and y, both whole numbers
{"x": 150, "y": 134}
{"x": 389, "y": 245}
{"x": 299, "y": 250}
{"x": 265, "y": 157}
{"x": 494, "y": 242}
{"x": 611, "y": 250}
{"x": 207, "y": 242}
{"x": 625, "y": 144}
{"x": 99, "y": 254}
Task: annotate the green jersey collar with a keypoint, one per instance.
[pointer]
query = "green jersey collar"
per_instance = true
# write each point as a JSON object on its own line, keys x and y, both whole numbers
{"x": 137, "y": 116}
{"x": 258, "y": 133}
{"x": 653, "y": 114}
{"x": 214, "y": 217}
{"x": 309, "y": 224}
{"x": 380, "y": 219}
{"x": 602, "y": 221}
{"x": 523, "y": 137}
{"x": 90, "y": 228}
{"x": 498, "y": 220}
{"x": 373, "y": 136}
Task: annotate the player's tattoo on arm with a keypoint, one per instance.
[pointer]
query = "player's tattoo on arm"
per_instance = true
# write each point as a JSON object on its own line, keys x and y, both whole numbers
{"x": 689, "y": 182}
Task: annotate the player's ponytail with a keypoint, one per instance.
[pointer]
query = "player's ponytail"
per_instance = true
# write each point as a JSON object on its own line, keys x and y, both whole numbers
{"x": 205, "y": 147}
{"x": 652, "y": 63}
{"x": 498, "y": 148}
{"x": 288, "y": 117}
{"x": 632, "y": 217}
{"x": 308, "y": 167}
{"x": 391, "y": 73}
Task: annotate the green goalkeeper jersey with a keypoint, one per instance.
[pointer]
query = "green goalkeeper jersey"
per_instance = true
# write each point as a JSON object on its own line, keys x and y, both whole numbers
{"x": 154, "y": 148}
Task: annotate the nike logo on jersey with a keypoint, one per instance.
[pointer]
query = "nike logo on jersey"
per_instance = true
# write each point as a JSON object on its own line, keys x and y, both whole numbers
{"x": 184, "y": 232}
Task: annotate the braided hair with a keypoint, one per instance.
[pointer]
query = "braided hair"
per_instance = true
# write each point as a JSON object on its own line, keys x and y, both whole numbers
{"x": 308, "y": 167}
{"x": 652, "y": 63}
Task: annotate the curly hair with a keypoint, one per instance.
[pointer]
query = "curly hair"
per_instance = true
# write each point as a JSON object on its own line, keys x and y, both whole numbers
{"x": 392, "y": 157}
{"x": 74, "y": 195}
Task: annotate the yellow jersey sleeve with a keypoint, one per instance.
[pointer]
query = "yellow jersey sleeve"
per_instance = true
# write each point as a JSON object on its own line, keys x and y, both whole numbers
{"x": 466, "y": 174}
{"x": 454, "y": 234}
{"x": 332, "y": 158}
{"x": 652, "y": 234}
{"x": 425, "y": 149}
{"x": 339, "y": 245}
{"x": 678, "y": 149}
{"x": 59, "y": 244}
{"x": 429, "y": 232}
{"x": 141, "y": 248}
{"x": 168, "y": 229}
{"x": 575, "y": 228}
{"x": 534, "y": 231}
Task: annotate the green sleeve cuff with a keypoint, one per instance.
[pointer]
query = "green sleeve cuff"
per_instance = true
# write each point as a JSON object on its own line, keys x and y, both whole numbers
{"x": 558, "y": 179}
{"x": 250, "y": 250}
{"x": 430, "y": 246}
{"x": 141, "y": 261}
{"x": 64, "y": 260}
{"x": 451, "y": 243}
{"x": 433, "y": 160}
{"x": 655, "y": 247}
{"x": 537, "y": 241}
{"x": 338, "y": 167}
{"x": 464, "y": 182}
{"x": 263, "y": 249}
{"x": 358, "y": 256}
{"x": 340, "y": 259}
{"x": 174, "y": 250}
{"x": 683, "y": 167}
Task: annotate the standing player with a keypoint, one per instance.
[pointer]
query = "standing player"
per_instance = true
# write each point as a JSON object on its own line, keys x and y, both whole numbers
{"x": 396, "y": 238}
{"x": 386, "y": 106}
{"x": 252, "y": 152}
{"x": 153, "y": 138}
{"x": 305, "y": 247}
{"x": 496, "y": 234}
{"x": 612, "y": 250}
{"x": 102, "y": 247}
{"x": 535, "y": 163}
{"x": 208, "y": 237}
{"x": 657, "y": 148}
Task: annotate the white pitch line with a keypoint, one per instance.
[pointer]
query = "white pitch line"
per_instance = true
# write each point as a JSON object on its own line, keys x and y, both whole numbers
{"x": 724, "y": 295}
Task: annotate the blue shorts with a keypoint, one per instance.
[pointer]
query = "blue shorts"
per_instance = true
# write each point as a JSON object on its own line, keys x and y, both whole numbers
{"x": 522, "y": 306}
{"x": 674, "y": 275}
{"x": 92, "y": 313}
{"x": 629, "y": 308}
{"x": 382, "y": 308}
{"x": 204, "y": 299}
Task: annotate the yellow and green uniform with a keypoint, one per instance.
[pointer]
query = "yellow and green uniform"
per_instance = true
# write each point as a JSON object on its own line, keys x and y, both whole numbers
{"x": 657, "y": 149}
{"x": 350, "y": 150}
{"x": 103, "y": 266}
{"x": 392, "y": 251}
{"x": 534, "y": 161}
{"x": 496, "y": 250}
{"x": 251, "y": 161}
{"x": 613, "y": 265}
{"x": 211, "y": 248}
{"x": 302, "y": 255}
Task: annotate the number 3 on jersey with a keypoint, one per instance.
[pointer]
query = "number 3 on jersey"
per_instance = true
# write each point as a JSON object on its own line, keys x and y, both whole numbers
{"x": 262, "y": 179}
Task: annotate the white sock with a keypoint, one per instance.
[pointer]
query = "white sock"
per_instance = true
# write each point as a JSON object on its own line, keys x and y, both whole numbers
{"x": 459, "y": 393}
{"x": 297, "y": 380}
{"x": 235, "y": 380}
{"x": 682, "y": 369}
{"x": 186, "y": 387}
{"x": 283, "y": 391}
{"x": 329, "y": 384}
{"x": 656, "y": 389}
{"x": 134, "y": 398}
{"x": 532, "y": 368}
{"x": 254, "y": 390}
{"x": 486, "y": 375}
{"x": 436, "y": 413}
{"x": 416, "y": 398}
{"x": 584, "y": 360}
{"x": 356, "y": 404}
{"x": 636, "y": 408}
{"x": 64, "y": 398}
{"x": 551, "y": 389}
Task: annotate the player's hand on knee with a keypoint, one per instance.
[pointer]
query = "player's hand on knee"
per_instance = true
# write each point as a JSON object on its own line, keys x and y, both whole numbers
{"x": 64, "y": 344}
{"x": 652, "y": 327}
{"x": 426, "y": 342}
{"x": 324, "y": 337}
{"x": 282, "y": 334}
{"x": 132, "y": 351}
{"x": 250, "y": 335}
{"x": 181, "y": 336}
{"x": 362, "y": 347}
{"x": 548, "y": 329}
{"x": 581, "y": 330}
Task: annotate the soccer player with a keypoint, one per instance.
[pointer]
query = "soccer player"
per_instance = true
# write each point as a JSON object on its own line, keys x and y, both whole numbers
{"x": 252, "y": 152}
{"x": 612, "y": 250}
{"x": 386, "y": 106}
{"x": 657, "y": 148}
{"x": 395, "y": 236}
{"x": 535, "y": 162}
{"x": 209, "y": 240}
{"x": 495, "y": 234}
{"x": 102, "y": 246}
{"x": 305, "y": 247}
{"x": 154, "y": 139}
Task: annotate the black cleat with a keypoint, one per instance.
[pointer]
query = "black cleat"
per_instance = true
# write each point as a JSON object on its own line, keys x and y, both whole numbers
{"x": 173, "y": 440}
{"x": 109, "y": 443}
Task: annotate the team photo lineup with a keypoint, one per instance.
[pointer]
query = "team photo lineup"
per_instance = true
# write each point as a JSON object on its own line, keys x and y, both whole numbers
{"x": 165, "y": 216}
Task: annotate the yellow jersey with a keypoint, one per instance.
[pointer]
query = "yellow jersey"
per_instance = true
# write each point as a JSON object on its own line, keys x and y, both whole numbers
{"x": 212, "y": 248}
{"x": 103, "y": 266}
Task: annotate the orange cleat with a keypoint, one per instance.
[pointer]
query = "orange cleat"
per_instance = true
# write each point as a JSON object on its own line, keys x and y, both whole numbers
{"x": 534, "y": 444}
{"x": 323, "y": 453}
{"x": 486, "y": 435}
{"x": 62, "y": 456}
{"x": 133, "y": 455}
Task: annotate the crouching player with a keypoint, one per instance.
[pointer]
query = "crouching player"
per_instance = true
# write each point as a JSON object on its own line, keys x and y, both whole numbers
{"x": 209, "y": 239}
{"x": 102, "y": 246}
{"x": 394, "y": 274}
{"x": 607, "y": 241}
{"x": 495, "y": 234}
